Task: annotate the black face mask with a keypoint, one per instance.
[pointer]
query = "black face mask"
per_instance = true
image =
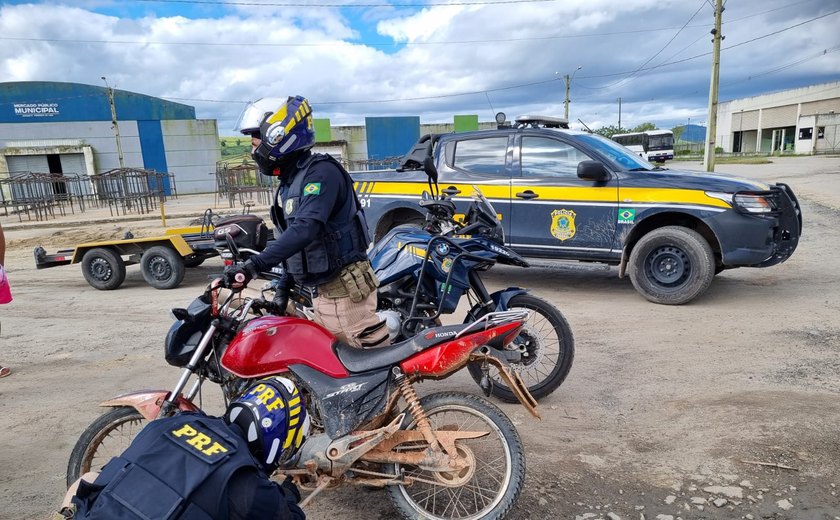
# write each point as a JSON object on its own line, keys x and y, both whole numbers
{"x": 272, "y": 167}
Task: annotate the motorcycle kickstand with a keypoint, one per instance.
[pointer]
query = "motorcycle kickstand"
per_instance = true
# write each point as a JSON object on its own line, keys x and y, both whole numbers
{"x": 323, "y": 482}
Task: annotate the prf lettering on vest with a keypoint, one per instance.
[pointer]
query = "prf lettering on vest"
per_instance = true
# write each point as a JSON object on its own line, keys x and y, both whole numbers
{"x": 198, "y": 440}
{"x": 266, "y": 394}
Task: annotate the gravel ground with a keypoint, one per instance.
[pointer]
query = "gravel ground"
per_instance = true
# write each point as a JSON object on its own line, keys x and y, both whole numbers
{"x": 724, "y": 408}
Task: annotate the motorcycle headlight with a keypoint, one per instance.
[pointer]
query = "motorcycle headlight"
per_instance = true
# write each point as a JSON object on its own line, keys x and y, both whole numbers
{"x": 754, "y": 203}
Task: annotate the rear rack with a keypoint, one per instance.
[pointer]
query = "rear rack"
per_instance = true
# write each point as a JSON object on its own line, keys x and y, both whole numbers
{"x": 492, "y": 319}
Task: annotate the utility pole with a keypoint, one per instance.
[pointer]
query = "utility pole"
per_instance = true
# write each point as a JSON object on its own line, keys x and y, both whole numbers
{"x": 114, "y": 122}
{"x": 619, "y": 114}
{"x": 709, "y": 157}
{"x": 566, "y": 101}
{"x": 568, "y": 79}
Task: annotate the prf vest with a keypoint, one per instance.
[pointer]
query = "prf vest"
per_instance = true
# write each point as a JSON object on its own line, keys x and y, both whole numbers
{"x": 346, "y": 239}
{"x": 176, "y": 468}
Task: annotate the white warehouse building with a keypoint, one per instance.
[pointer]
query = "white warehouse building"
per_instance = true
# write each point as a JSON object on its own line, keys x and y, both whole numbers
{"x": 801, "y": 120}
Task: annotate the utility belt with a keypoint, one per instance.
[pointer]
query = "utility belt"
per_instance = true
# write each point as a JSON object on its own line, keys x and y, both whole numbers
{"x": 355, "y": 281}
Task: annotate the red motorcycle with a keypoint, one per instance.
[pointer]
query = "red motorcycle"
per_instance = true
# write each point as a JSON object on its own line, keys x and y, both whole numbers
{"x": 447, "y": 455}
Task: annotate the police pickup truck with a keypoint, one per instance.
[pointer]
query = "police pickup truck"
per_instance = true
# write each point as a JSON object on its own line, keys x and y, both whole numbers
{"x": 571, "y": 195}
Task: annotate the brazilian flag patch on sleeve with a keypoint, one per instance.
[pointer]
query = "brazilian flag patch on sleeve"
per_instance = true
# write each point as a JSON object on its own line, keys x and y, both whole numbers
{"x": 313, "y": 188}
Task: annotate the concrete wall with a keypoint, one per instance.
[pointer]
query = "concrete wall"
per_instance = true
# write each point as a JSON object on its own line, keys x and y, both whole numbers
{"x": 192, "y": 150}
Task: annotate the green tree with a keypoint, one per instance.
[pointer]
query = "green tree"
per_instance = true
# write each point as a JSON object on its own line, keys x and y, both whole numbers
{"x": 644, "y": 127}
{"x": 609, "y": 131}
{"x": 678, "y": 131}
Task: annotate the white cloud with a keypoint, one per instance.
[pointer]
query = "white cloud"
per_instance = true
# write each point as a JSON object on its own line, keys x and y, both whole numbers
{"x": 526, "y": 43}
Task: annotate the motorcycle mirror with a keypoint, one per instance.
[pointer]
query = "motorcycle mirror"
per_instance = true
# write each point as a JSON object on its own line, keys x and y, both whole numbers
{"x": 231, "y": 243}
{"x": 430, "y": 169}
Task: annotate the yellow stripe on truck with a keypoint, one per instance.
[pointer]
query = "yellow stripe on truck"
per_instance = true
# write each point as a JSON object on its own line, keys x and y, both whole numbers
{"x": 491, "y": 191}
{"x": 668, "y": 195}
{"x": 626, "y": 196}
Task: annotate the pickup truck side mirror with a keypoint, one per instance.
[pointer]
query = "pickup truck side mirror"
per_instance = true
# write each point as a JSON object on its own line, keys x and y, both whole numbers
{"x": 593, "y": 171}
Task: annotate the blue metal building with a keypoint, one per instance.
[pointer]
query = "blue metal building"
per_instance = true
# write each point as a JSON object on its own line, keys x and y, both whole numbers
{"x": 51, "y": 127}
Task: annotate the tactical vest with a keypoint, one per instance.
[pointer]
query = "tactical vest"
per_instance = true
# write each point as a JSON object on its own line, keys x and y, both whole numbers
{"x": 347, "y": 235}
{"x": 176, "y": 468}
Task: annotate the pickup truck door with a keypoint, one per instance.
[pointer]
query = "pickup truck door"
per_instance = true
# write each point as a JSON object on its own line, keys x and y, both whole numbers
{"x": 484, "y": 162}
{"x": 554, "y": 213}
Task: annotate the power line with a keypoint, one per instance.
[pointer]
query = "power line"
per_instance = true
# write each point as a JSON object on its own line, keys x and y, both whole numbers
{"x": 641, "y": 67}
{"x": 784, "y": 67}
{"x": 372, "y": 44}
{"x": 331, "y": 44}
{"x": 708, "y": 53}
{"x": 350, "y": 5}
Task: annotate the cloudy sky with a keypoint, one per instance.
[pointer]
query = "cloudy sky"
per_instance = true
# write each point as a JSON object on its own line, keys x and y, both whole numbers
{"x": 432, "y": 58}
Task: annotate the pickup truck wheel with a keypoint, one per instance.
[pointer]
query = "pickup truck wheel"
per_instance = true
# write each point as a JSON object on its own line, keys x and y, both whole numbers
{"x": 672, "y": 265}
{"x": 103, "y": 268}
{"x": 162, "y": 267}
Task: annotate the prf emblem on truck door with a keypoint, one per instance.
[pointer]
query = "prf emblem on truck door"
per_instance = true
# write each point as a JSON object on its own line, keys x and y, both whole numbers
{"x": 563, "y": 224}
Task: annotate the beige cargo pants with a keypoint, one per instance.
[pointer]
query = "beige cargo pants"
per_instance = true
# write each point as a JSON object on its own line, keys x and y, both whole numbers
{"x": 346, "y": 306}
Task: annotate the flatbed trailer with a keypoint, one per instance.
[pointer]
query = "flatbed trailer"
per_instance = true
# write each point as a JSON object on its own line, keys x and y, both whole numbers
{"x": 162, "y": 259}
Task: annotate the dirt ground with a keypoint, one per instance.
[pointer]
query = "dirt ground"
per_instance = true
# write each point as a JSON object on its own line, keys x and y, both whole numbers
{"x": 669, "y": 412}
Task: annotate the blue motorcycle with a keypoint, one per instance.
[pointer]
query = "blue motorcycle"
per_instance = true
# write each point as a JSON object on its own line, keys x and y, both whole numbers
{"x": 425, "y": 271}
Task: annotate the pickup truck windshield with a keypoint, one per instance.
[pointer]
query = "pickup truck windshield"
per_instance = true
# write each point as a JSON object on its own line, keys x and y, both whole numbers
{"x": 619, "y": 157}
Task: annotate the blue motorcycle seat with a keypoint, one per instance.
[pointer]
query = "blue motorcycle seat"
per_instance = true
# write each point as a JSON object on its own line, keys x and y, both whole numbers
{"x": 357, "y": 360}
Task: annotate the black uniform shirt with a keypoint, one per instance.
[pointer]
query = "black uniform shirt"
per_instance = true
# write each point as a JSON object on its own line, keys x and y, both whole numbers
{"x": 311, "y": 215}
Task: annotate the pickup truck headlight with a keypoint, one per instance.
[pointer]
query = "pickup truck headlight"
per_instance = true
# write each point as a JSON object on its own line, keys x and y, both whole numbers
{"x": 755, "y": 203}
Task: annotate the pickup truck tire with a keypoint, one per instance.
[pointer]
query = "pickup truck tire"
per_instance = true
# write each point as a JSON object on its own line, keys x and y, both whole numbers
{"x": 163, "y": 267}
{"x": 672, "y": 265}
{"x": 103, "y": 268}
{"x": 549, "y": 341}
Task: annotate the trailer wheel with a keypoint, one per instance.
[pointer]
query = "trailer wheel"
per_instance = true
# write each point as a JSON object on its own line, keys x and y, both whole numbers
{"x": 103, "y": 268}
{"x": 162, "y": 267}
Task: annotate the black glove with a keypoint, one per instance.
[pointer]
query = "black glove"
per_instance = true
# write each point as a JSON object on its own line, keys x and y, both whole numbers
{"x": 237, "y": 276}
{"x": 290, "y": 490}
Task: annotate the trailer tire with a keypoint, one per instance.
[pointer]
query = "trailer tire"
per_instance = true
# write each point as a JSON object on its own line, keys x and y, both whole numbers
{"x": 163, "y": 267}
{"x": 103, "y": 268}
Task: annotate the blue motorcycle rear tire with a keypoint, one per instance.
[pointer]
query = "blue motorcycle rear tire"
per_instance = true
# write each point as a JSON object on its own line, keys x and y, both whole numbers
{"x": 550, "y": 357}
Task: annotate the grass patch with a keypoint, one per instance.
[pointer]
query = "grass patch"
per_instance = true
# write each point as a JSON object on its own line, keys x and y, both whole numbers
{"x": 729, "y": 159}
{"x": 233, "y": 146}
{"x": 743, "y": 160}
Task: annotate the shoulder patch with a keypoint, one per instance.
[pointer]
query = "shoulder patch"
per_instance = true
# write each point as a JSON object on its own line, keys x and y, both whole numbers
{"x": 201, "y": 441}
{"x": 313, "y": 188}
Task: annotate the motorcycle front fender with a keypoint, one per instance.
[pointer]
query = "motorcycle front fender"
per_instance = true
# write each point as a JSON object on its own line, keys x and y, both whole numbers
{"x": 148, "y": 402}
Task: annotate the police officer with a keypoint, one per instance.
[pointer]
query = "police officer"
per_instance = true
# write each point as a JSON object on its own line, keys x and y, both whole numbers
{"x": 324, "y": 235}
{"x": 195, "y": 467}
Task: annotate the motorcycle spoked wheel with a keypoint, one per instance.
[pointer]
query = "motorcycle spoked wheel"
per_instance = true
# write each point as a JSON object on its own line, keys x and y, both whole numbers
{"x": 550, "y": 345}
{"x": 489, "y": 488}
{"x": 108, "y": 436}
